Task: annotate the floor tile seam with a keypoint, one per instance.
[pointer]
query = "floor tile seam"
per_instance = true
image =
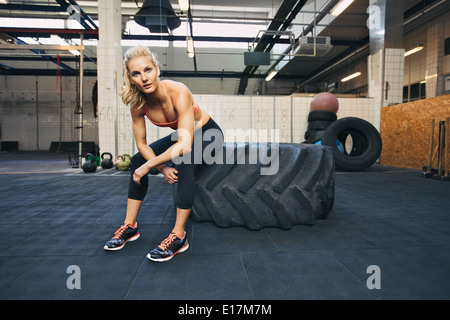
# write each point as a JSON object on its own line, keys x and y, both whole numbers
{"x": 91, "y": 220}
{"x": 167, "y": 213}
{"x": 9, "y": 284}
{"x": 286, "y": 252}
{"x": 356, "y": 174}
{"x": 411, "y": 220}
{"x": 428, "y": 245}
{"x": 55, "y": 255}
{"x": 194, "y": 252}
{"x": 353, "y": 275}
{"x": 241, "y": 253}
{"x": 247, "y": 279}
{"x": 411, "y": 217}
{"x": 330, "y": 249}
{"x": 104, "y": 214}
{"x": 232, "y": 253}
{"x": 133, "y": 279}
{"x": 345, "y": 235}
{"x": 22, "y": 239}
{"x": 361, "y": 248}
{"x": 375, "y": 292}
{"x": 271, "y": 239}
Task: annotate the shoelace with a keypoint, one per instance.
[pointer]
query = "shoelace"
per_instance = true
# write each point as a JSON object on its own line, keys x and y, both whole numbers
{"x": 120, "y": 231}
{"x": 166, "y": 242}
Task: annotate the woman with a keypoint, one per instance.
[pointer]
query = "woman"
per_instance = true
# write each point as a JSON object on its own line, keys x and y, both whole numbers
{"x": 165, "y": 104}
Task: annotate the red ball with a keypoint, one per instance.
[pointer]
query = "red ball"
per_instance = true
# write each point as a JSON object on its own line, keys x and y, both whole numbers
{"x": 325, "y": 101}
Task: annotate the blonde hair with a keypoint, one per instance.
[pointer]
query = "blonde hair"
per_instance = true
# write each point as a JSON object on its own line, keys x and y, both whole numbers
{"x": 131, "y": 95}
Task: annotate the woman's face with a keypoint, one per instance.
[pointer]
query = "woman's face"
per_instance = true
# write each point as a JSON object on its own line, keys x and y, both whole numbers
{"x": 144, "y": 74}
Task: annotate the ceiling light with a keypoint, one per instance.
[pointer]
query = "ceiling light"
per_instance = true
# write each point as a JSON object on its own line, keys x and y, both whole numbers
{"x": 416, "y": 49}
{"x": 272, "y": 74}
{"x": 158, "y": 16}
{"x": 350, "y": 77}
{"x": 184, "y": 5}
{"x": 340, "y": 7}
{"x": 190, "y": 47}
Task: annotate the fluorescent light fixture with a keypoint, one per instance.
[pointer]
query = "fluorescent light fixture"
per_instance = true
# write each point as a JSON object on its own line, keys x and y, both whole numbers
{"x": 272, "y": 74}
{"x": 416, "y": 49}
{"x": 350, "y": 77}
{"x": 340, "y": 7}
{"x": 184, "y": 5}
{"x": 190, "y": 47}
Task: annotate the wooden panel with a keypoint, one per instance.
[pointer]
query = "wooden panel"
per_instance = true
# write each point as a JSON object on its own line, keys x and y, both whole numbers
{"x": 405, "y": 131}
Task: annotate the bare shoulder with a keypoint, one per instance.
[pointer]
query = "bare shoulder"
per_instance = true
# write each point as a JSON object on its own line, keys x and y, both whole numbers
{"x": 137, "y": 113}
{"x": 179, "y": 92}
{"x": 176, "y": 87}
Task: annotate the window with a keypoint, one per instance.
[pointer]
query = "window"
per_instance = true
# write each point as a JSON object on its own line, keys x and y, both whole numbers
{"x": 447, "y": 47}
{"x": 414, "y": 92}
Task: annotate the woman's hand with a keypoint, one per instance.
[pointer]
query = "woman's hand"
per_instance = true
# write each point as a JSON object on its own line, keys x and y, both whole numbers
{"x": 170, "y": 174}
{"x": 140, "y": 172}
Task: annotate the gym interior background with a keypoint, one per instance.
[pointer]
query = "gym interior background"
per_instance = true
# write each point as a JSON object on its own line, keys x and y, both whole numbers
{"x": 40, "y": 89}
{"x": 253, "y": 65}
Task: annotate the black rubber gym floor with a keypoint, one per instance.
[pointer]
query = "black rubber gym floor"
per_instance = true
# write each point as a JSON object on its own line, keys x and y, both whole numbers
{"x": 387, "y": 237}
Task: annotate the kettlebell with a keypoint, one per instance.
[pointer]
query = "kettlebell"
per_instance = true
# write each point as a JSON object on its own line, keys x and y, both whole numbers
{"x": 124, "y": 163}
{"x": 89, "y": 165}
{"x": 106, "y": 162}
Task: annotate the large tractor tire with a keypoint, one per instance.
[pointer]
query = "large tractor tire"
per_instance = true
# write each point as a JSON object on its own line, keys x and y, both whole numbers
{"x": 299, "y": 191}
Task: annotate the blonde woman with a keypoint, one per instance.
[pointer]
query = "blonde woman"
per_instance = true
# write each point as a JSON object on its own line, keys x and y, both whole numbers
{"x": 166, "y": 104}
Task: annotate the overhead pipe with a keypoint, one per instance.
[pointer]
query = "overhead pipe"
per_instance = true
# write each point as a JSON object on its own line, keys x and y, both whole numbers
{"x": 283, "y": 18}
{"x": 412, "y": 15}
{"x": 83, "y": 17}
{"x": 287, "y": 11}
{"x": 353, "y": 53}
{"x": 310, "y": 27}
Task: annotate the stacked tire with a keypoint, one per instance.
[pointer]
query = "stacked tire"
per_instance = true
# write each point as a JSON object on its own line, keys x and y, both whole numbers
{"x": 318, "y": 121}
{"x": 324, "y": 128}
{"x": 365, "y": 147}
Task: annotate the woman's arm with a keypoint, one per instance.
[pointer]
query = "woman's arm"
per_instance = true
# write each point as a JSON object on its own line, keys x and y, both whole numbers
{"x": 140, "y": 135}
{"x": 183, "y": 102}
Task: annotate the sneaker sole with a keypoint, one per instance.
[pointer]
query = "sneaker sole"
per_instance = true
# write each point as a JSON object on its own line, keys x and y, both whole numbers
{"x": 133, "y": 238}
{"x": 183, "y": 249}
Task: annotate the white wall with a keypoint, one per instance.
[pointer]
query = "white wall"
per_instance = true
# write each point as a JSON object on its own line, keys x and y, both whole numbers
{"x": 258, "y": 115}
{"x": 33, "y": 115}
{"x": 18, "y": 118}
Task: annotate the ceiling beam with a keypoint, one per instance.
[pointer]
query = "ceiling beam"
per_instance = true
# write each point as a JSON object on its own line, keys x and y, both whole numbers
{"x": 7, "y": 70}
{"x": 46, "y": 32}
{"x": 283, "y": 18}
{"x": 82, "y": 17}
{"x": 417, "y": 15}
{"x": 31, "y": 7}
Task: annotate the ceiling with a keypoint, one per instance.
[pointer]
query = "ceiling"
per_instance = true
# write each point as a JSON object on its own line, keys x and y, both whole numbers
{"x": 348, "y": 32}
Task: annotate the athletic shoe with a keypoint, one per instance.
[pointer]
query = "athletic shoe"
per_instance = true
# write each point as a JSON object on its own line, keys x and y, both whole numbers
{"x": 168, "y": 248}
{"x": 122, "y": 235}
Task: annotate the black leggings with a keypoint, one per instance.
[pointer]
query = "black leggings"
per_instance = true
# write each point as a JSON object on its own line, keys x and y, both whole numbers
{"x": 186, "y": 169}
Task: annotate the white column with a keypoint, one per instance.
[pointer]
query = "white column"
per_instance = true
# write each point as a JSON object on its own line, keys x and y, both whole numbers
{"x": 386, "y": 60}
{"x": 113, "y": 115}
